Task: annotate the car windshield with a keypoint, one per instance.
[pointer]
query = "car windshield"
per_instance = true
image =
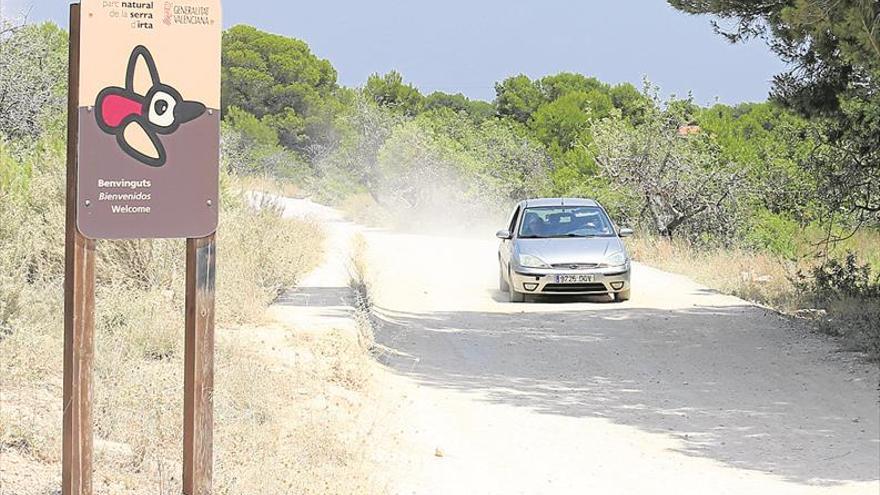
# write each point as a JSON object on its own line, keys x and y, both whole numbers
{"x": 554, "y": 222}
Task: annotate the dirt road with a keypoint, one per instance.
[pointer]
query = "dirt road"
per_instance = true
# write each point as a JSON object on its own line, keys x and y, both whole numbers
{"x": 681, "y": 390}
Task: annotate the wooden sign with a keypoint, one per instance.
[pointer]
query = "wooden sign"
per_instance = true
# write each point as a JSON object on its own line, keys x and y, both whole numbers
{"x": 143, "y": 160}
{"x": 149, "y": 118}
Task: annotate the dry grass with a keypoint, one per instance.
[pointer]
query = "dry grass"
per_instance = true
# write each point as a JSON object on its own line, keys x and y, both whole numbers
{"x": 360, "y": 284}
{"x": 281, "y": 427}
{"x": 772, "y": 281}
{"x": 754, "y": 276}
{"x": 289, "y": 426}
{"x": 866, "y": 243}
{"x": 271, "y": 254}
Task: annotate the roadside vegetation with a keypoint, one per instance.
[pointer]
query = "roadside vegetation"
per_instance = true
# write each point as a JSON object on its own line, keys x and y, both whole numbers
{"x": 836, "y": 295}
{"x": 360, "y": 284}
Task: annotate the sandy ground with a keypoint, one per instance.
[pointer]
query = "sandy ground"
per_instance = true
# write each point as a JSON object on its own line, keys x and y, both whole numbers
{"x": 680, "y": 390}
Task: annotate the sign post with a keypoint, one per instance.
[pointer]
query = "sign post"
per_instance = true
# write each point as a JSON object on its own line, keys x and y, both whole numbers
{"x": 143, "y": 162}
{"x": 198, "y": 373}
{"x": 79, "y": 308}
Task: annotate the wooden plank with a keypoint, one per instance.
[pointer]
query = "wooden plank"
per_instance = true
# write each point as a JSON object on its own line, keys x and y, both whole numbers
{"x": 198, "y": 409}
{"x": 79, "y": 307}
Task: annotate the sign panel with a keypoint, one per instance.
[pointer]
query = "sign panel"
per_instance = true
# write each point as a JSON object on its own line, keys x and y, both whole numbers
{"x": 149, "y": 118}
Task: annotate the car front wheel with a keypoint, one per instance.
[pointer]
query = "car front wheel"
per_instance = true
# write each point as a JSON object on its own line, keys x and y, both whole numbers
{"x": 503, "y": 286}
{"x": 622, "y": 296}
{"x": 515, "y": 297}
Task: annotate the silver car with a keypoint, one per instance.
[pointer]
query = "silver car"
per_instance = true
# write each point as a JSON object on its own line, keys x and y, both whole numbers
{"x": 559, "y": 246}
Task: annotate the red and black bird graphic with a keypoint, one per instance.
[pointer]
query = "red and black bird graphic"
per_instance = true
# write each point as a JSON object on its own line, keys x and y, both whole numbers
{"x": 138, "y": 119}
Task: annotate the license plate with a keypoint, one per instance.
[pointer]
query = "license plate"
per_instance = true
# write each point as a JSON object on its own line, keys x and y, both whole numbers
{"x": 575, "y": 279}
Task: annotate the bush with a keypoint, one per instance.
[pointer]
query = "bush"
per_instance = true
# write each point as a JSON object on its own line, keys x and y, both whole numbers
{"x": 839, "y": 279}
{"x": 850, "y": 295}
{"x": 773, "y": 232}
{"x": 259, "y": 254}
{"x": 857, "y": 322}
{"x": 33, "y": 82}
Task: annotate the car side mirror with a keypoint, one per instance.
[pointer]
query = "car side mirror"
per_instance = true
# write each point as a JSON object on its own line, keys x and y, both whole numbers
{"x": 625, "y": 232}
{"x": 503, "y": 234}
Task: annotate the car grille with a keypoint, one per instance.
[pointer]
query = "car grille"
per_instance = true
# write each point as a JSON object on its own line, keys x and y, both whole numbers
{"x": 576, "y": 266}
{"x": 594, "y": 287}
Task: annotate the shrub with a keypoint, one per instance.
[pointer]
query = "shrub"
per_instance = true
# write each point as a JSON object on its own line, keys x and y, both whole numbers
{"x": 837, "y": 279}
{"x": 33, "y": 82}
{"x": 774, "y": 233}
{"x": 261, "y": 254}
{"x": 850, "y": 295}
{"x": 857, "y": 322}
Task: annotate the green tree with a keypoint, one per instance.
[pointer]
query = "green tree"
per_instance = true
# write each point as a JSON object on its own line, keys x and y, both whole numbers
{"x": 364, "y": 128}
{"x": 391, "y": 92}
{"x": 251, "y": 146}
{"x": 33, "y": 77}
{"x": 556, "y": 86}
{"x": 443, "y": 155}
{"x": 280, "y": 82}
{"x": 518, "y": 98}
{"x": 251, "y": 127}
{"x": 563, "y": 121}
{"x": 479, "y": 111}
{"x": 833, "y": 48}
{"x": 629, "y": 100}
{"x": 680, "y": 182}
{"x": 767, "y": 141}
{"x": 834, "y": 45}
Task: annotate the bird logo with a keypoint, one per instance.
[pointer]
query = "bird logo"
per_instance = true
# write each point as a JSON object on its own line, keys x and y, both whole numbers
{"x": 143, "y": 110}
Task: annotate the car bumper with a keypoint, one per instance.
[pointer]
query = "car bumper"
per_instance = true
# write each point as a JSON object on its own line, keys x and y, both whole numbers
{"x": 543, "y": 281}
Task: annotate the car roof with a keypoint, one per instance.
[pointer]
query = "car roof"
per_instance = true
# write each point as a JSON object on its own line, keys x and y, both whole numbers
{"x": 538, "y": 202}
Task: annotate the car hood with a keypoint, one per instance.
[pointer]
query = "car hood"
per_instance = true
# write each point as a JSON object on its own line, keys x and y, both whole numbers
{"x": 570, "y": 250}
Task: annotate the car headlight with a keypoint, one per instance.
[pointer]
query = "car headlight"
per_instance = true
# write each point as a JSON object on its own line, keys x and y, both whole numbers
{"x": 529, "y": 261}
{"x": 616, "y": 259}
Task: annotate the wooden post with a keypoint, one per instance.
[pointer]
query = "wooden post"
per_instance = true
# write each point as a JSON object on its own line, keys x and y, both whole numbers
{"x": 79, "y": 306}
{"x": 198, "y": 384}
